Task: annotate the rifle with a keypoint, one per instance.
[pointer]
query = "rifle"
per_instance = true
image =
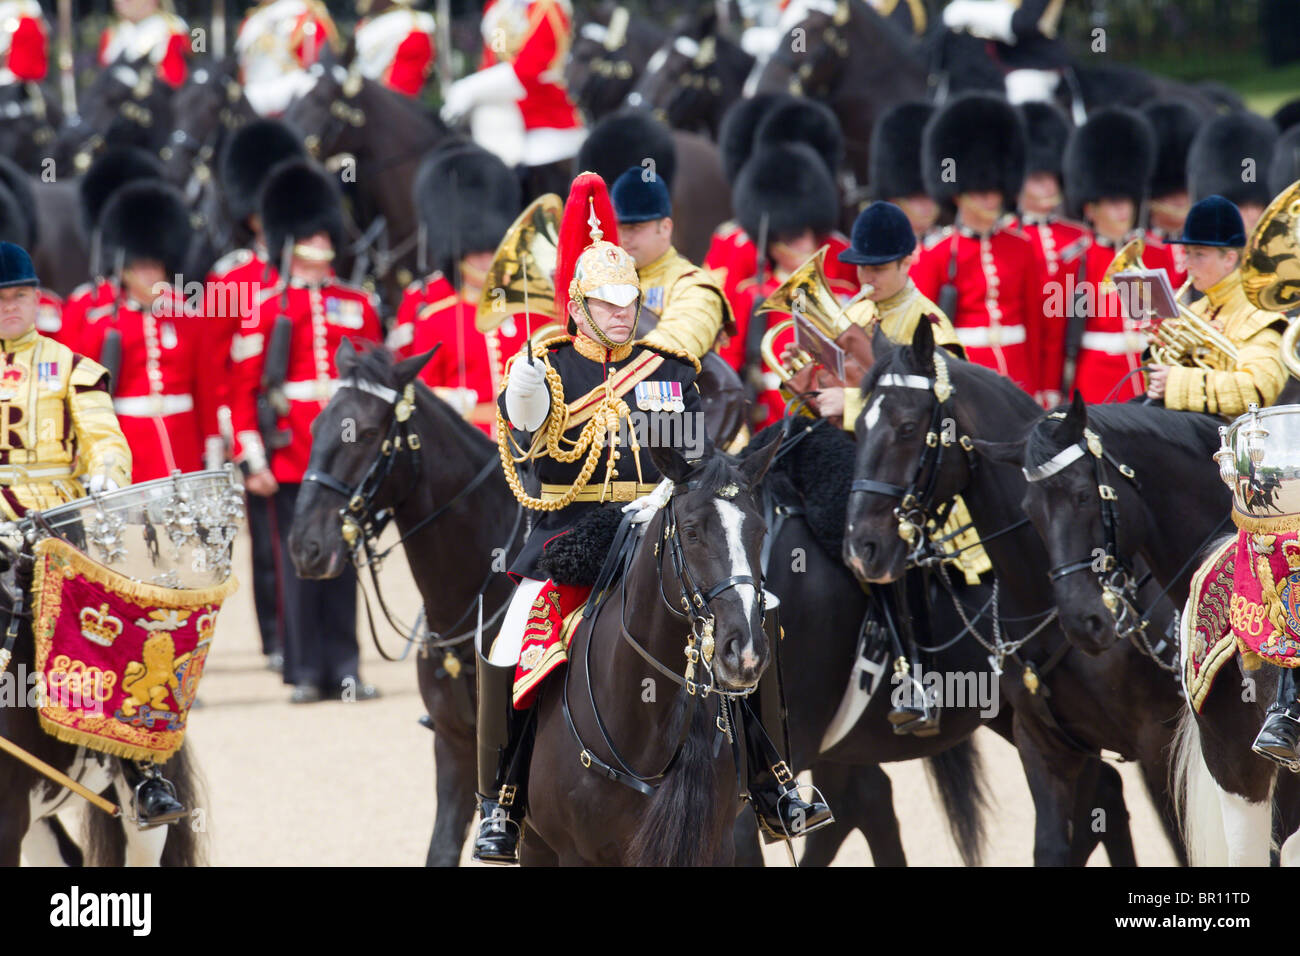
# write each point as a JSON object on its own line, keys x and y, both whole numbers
{"x": 271, "y": 403}
{"x": 110, "y": 353}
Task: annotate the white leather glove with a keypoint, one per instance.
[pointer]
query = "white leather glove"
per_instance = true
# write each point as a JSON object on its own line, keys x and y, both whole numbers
{"x": 647, "y": 505}
{"x": 98, "y": 484}
{"x": 987, "y": 19}
{"x": 463, "y": 400}
{"x": 528, "y": 400}
{"x": 214, "y": 453}
{"x": 496, "y": 84}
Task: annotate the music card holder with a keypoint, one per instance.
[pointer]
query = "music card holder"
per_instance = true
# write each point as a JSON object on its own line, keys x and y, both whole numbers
{"x": 812, "y": 340}
{"x": 1146, "y": 294}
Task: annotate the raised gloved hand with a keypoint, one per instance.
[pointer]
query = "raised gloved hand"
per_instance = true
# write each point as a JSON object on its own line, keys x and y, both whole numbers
{"x": 495, "y": 84}
{"x": 986, "y": 19}
{"x": 647, "y": 505}
{"x": 98, "y": 484}
{"x": 527, "y": 397}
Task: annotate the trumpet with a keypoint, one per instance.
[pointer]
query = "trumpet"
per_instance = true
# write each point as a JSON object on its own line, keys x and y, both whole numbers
{"x": 1188, "y": 340}
{"x": 1270, "y": 274}
{"x": 519, "y": 281}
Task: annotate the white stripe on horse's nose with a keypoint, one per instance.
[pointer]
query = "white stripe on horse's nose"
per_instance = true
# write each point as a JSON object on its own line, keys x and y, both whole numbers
{"x": 733, "y": 519}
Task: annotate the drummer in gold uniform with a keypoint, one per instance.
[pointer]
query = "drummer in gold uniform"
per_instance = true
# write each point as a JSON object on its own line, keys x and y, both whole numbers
{"x": 59, "y": 437}
{"x": 1215, "y": 236}
{"x": 691, "y": 307}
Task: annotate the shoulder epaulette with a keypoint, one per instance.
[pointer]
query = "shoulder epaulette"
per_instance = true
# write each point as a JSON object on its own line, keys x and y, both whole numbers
{"x": 86, "y": 288}
{"x": 231, "y": 261}
{"x": 99, "y": 312}
{"x": 944, "y": 233}
{"x": 670, "y": 352}
{"x": 1076, "y": 248}
{"x": 272, "y": 292}
{"x": 417, "y": 284}
{"x": 433, "y": 308}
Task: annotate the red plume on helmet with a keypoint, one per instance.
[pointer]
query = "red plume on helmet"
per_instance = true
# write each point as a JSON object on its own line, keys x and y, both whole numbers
{"x": 588, "y": 190}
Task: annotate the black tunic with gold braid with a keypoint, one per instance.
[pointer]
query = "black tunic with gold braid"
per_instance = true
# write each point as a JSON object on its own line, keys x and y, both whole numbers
{"x": 595, "y": 382}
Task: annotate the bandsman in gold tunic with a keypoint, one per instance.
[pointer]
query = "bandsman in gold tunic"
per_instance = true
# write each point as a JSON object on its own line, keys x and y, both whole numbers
{"x": 1215, "y": 236}
{"x": 690, "y": 305}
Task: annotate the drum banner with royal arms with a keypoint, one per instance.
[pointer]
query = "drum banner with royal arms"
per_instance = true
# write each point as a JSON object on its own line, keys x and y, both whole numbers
{"x": 120, "y": 659}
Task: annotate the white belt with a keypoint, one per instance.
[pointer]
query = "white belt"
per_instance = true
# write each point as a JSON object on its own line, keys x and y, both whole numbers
{"x": 19, "y": 474}
{"x": 153, "y": 406}
{"x": 990, "y": 336}
{"x": 1114, "y": 343}
{"x": 310, "y": 389}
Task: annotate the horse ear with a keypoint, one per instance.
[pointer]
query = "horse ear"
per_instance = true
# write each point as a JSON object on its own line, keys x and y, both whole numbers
{"x": 1076, "y": 419}
{"x": 407, "y": 369}
{"x": 1002, "y": 452}
{"x": 923, "y": 346}
{"x": 881, "y": 344}
{"x": 671, "y": 463}
{"x": 755, "y": 466}
{"x": 345, "y": 357}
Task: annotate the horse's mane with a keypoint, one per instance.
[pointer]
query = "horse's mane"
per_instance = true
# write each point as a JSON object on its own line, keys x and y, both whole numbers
{"x": 715, "y": 471}
{"x": 376, "y": 363}
{"x": 1143, "y": 425}
{"x": 964, "y": 375}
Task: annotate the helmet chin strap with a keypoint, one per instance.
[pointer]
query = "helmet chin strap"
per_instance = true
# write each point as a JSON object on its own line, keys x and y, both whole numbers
{"x": 598, "y": 334}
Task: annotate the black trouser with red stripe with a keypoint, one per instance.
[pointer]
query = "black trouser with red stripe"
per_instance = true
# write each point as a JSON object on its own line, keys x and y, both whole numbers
{"x": 320, "y": 646}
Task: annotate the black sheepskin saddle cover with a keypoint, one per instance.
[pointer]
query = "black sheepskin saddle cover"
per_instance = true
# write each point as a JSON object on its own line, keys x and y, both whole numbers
{"x": 576, "y": 557}
{"x": 817, "y": 472}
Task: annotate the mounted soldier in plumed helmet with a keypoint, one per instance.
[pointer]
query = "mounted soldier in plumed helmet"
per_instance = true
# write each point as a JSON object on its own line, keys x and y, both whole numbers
{"x": 571, "y": 402}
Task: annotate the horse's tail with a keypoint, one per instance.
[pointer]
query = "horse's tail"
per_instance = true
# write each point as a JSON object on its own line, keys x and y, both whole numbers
{"x": 186, "y": 843}
{"x": 958, "y": 776}
{"x": 680, "y": 824}
{"x": 1196, "y": 798}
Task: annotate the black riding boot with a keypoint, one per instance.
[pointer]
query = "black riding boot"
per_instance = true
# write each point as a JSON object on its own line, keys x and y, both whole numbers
{"x": 505, "y": 744}
{"x": 912, "y": 712}
{"x": 782, "y": 813}
{"x": 155, "y": 797}
{"x": 1278, "y": 738}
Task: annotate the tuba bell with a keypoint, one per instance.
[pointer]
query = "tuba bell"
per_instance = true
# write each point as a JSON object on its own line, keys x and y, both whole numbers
{"x": 521, "y": 278}
{"x": 1187, "y": 340}
{"x": 808, "y": 294}
{"x": 1270, "y": 274}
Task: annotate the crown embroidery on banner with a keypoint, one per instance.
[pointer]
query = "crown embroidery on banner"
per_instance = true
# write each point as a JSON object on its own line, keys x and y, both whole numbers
{"x": 100, "y": 627}
{"x": 206, "y": 624}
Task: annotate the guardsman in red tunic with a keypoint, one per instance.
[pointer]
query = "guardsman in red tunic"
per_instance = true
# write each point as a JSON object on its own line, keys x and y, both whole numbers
{"x": 517, "y": 102}
{"x": 468, "y": 198}
{"x": 288, "y": 355}
{"x": 146, "y": 29}
{"x": 982, "y": 271}
{"x": 277, "y": 42}
{"x": 395, "y": 44}
{"x": 234, "y": 290}
{"x": 1175, "y": 125}
{"x": 894, "y": 174}
{"x": 1108, "y": 163}
{"x": 149, "y": 336}
{"x": 24, "y": 42}
{"x": 1058, "y": 242}
{"x": 1229, "y": 157}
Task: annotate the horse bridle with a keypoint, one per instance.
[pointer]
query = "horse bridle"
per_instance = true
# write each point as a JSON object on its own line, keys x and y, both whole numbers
{"x": 362, "y": 524}
{"x": 695, "y": 607}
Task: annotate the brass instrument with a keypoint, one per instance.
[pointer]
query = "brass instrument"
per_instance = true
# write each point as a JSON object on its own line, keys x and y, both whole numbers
{"x": 1270, "y": 274}
{"x": 1188, "y": 340}
{"x": 806, "y": 293}
{"x": 522, "y": 275}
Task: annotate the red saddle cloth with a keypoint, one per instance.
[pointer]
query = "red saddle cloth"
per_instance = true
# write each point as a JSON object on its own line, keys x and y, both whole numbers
{"x": 1265, "y": 609}
{"x": 551, "y": 623}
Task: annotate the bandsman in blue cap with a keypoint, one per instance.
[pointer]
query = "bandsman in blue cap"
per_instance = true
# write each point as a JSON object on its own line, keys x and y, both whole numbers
{"x": 691, "y": 307}
{"x": 1215, "y": 236}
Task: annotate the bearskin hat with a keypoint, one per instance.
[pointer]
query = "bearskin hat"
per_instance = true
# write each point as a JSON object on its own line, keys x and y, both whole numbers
{"x": 146, "y": 220}
{"x": 628, "y": 138}
{"x": 298, "y": 200}
{"x": 736, "y": 133}
{"x": 895, "y": 165}
{"x": 1047, "y": 130}
{"x": 797, "y": 119}
{"x": 1287, "y": 115}
{"x": 467, "y": 199}
{"x": 115, "y": 167}
{"x": 1113, "y": 154}
{"x": 1217, "y": 160}
{"x": 791, "y": 185}
{"x": 1175, "y": 124}
{"x": 15, "y": 179}
{"x": 249, "y": 154}
{"x": 980, "y": 139}
{"x": 1284, "y": 167}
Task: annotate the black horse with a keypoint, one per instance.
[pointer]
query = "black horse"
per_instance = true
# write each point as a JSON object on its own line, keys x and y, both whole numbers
{"x": 1068, "y": 706}
{"x": 838, "y": 727}
{"x": 30, "y": 118}
{"x": 126, "y": 105}
{"x": 385, "y": 135}
{"x": 610, "y": 51}
{"x": 1171, "y": 528}
{"x": 460, "y": 526}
